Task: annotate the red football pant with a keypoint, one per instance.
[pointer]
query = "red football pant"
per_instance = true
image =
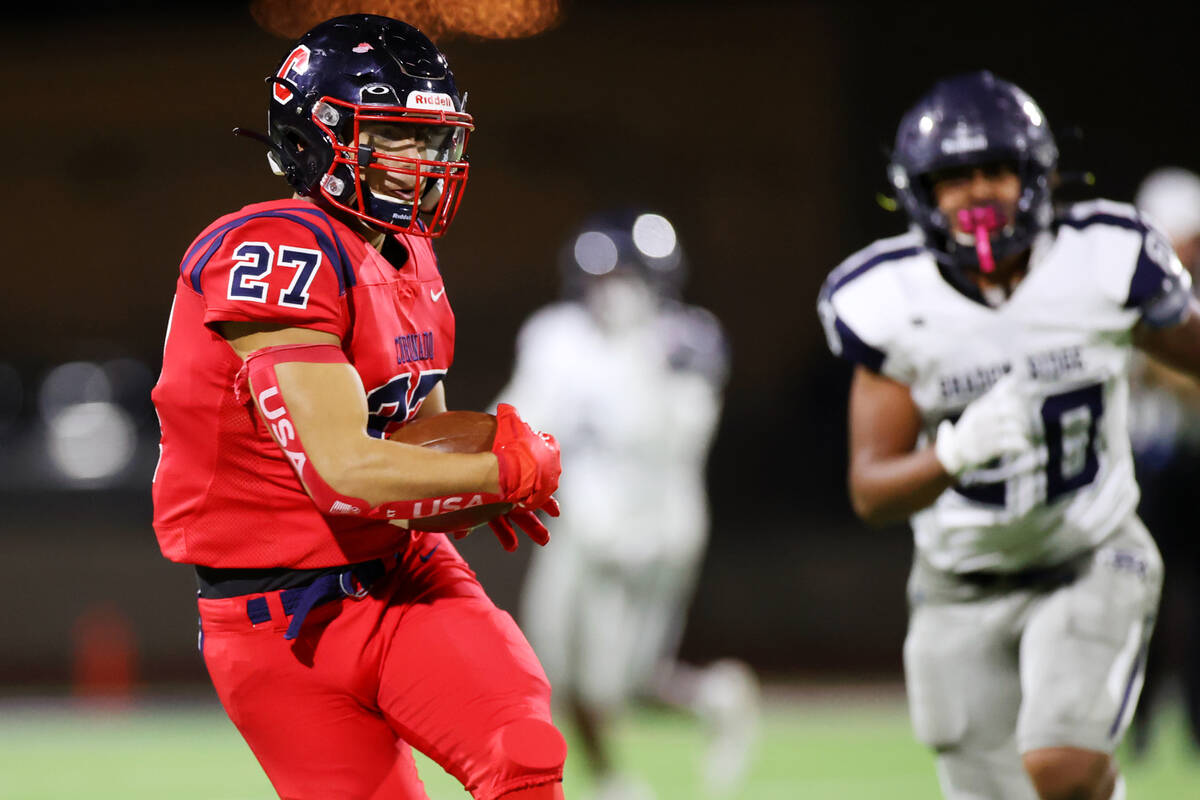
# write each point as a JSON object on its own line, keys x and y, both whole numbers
{"x": 426, "y": 659}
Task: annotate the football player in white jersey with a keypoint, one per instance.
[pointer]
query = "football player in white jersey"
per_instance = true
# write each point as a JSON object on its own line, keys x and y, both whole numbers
{"x": 635, "y": 379}
{"x": 988, "y": 406}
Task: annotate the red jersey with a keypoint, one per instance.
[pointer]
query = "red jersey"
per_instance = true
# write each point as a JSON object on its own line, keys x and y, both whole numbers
{"x": 224, "y": 493}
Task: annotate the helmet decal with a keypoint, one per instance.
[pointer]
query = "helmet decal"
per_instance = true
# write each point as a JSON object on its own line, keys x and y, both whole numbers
{"x": 379, "y": 93}
{"x": 297, "y": 61}
{"x": 964, "y": 139}
{"x": 432, "y": 100}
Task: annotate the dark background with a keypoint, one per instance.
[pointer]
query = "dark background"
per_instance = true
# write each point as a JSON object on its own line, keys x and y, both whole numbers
{"x": 759, "y": 129}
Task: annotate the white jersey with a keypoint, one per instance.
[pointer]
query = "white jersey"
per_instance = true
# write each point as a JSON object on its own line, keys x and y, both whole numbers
{"x": 634, "y": 413}
{"x": 1066, "y": 331}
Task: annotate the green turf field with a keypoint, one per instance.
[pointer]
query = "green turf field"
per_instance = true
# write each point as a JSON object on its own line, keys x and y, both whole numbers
{"x": 851, "y": 748}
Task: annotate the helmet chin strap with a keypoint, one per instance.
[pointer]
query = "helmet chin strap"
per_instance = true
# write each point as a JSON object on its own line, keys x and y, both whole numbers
{"x": 981, "y": 221}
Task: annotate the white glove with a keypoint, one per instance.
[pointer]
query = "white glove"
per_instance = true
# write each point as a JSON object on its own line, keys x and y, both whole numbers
{"x": 996, "y": 424}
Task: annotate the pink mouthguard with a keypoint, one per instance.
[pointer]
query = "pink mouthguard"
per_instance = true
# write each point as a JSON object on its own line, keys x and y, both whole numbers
{"x": 980, "y": 221}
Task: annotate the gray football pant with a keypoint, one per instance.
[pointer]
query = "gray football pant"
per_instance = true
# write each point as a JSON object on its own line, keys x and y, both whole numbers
{"x": 998, "y": 671}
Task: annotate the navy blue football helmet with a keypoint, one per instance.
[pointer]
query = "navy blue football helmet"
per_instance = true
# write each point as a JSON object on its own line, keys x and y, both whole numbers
{"x": 627, "y": 240}
{"x": 974, "y": 119}
{"x": 364, "y": 68}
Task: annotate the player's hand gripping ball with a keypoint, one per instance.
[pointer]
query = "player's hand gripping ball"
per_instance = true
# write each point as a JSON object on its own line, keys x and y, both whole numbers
{"x": 454, "y": 432}
{"x": 529, "y": 469}
{"x": 530, "y": 466}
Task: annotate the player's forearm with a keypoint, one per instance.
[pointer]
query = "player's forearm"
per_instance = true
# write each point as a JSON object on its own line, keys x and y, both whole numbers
{"x": 317, "y": 413}
{"x": 379, "y": 471}
{"x": 888, "y": 490}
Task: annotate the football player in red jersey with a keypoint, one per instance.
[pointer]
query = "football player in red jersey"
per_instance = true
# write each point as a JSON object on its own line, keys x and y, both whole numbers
{"x": 303, "y": 331}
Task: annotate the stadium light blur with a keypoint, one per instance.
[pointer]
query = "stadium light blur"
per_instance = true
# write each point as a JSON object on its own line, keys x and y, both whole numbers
{"x": 90, "y": 438}
{"x": 654, "y": 235}
{"x": 596, "y": 253}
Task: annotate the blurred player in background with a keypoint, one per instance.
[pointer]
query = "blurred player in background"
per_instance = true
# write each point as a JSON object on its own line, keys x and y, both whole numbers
{"x": 631, "y": 380}
{"x": 989, "y": 403}
{"x": 1165, "y": 428}
{"x": 303, "y": 332}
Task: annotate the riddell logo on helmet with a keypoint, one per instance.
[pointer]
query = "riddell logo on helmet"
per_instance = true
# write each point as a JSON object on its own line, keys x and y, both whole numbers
{"x": 434, "y": 100}
{"x": 297, "y": 61}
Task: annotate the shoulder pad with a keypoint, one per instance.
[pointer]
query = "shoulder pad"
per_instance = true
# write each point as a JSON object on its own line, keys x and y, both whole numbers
{"x": 1101, "y": 212}
{"x": 856, "y": 296}
{"x": 286, "y": 265}
{"x": 280, "y": 222}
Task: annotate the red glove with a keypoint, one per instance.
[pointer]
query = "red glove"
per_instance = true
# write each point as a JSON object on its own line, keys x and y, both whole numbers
{"x": 529, "y": 461}
{"x": 526, "y": 520}
{"x": 529, "y": 469}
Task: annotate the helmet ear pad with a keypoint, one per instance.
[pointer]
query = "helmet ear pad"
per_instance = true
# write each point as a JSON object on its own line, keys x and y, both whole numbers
{"x": 305, "y": 154}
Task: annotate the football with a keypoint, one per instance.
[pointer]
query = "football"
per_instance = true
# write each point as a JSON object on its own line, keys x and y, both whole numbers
{"x": 453, "y": 432}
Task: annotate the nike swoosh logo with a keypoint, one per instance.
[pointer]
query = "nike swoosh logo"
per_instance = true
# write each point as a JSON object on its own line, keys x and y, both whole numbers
{"x": 437, "y": 295}
{"x": 425, "y": 557}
